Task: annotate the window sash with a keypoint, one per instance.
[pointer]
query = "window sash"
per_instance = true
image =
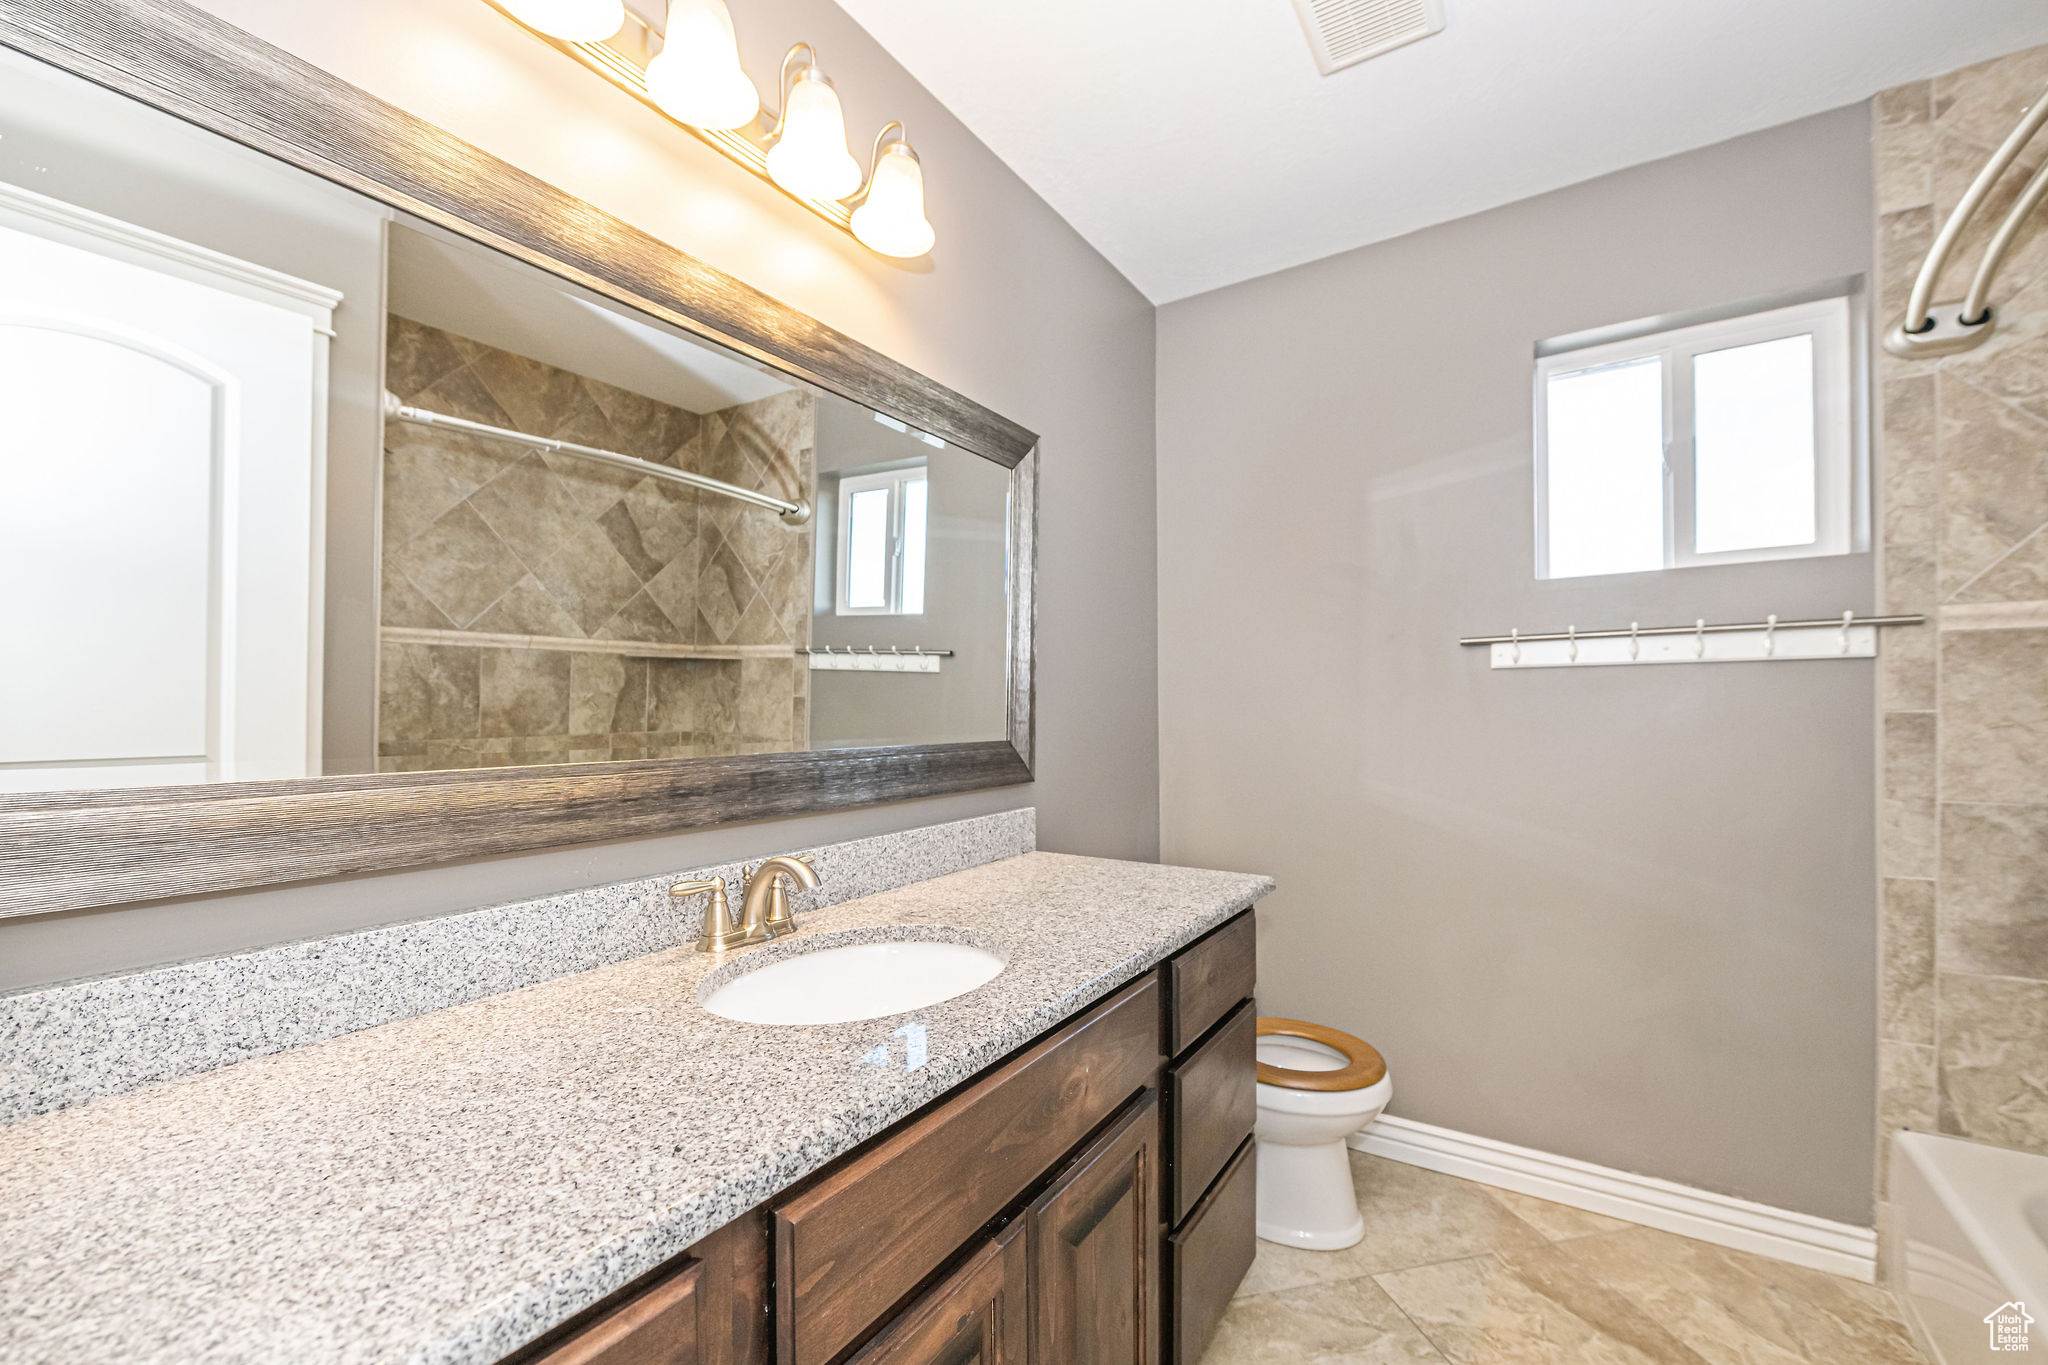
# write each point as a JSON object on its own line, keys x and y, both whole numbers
{"x": 1828, "y": 322}
{"x": 893, "y": 556}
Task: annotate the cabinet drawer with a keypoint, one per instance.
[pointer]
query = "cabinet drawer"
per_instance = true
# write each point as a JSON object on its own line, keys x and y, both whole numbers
{"x": 1213, "y": 1098}
{"x": 657, "y": 1327}
{"x": 980, "y": 1313}
{"x": 1205, "y": 981}
{"x": 1207, "y": 1258}
{"x": 866, "y": 1233}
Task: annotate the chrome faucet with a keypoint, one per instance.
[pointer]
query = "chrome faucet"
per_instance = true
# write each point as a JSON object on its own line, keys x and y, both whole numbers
{"x": 764, "y": 903}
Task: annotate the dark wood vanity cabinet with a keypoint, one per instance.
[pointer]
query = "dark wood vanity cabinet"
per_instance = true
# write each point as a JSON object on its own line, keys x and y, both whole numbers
{"x": 1211, "y": 1106}
{"x": 1087, "y": 1201}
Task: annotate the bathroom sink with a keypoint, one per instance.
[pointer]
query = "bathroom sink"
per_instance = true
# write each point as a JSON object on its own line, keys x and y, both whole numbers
{"x": 858, "y": 981}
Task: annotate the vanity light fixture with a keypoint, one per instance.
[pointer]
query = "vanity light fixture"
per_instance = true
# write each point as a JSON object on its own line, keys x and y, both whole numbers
{"x": 689, "y": 69}
{"x": 696, "y": 77}
{"x": 891, "y": 219}
{"x": 809, "y": 157}
{"x": 575, "y": 21}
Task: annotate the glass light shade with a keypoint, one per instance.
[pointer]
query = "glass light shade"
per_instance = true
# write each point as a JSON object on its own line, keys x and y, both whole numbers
{"x": 696, "y": 76}
{"x": 892, "y": 220}
{"x": 810, "y": 159}
{"x": 574, "y": 21}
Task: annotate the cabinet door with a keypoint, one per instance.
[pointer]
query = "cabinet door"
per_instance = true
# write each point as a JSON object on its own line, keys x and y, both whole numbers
{"x": 978, "y": 1315}
{"x": 658, "y": 1327}
{"x": 1095, "y": 1247}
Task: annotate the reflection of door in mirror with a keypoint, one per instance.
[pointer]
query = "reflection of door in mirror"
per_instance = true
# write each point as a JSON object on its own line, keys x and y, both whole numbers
{"x": 161, "y": 451}
{"x": 540, "y": 605}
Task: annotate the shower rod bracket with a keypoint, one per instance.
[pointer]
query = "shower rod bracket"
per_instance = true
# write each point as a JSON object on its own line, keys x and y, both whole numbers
{"x": 1946, "y": 333}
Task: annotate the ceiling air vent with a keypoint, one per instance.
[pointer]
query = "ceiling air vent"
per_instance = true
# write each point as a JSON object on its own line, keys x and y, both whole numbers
{"x": 1344, "y": 32}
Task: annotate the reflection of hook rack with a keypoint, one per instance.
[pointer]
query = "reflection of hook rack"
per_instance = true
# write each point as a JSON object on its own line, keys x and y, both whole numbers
{"x": 1845, "y": 636}
{"x": 873, "y": 658}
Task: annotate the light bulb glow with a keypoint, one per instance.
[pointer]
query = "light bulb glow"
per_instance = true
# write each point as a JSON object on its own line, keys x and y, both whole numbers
{"x": 891, "y": 220}
{"x": 696, "y": 77}
{"x": 574, "y": 21}
{"x": 810, "y": 159}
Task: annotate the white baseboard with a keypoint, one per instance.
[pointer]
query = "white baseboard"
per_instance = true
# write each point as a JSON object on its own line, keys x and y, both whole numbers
{"x": 1801, "y": 1238}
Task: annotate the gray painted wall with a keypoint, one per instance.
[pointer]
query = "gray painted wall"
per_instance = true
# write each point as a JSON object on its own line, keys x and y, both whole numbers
{"x": 965, "y": 607}
{"x": 1625, "y": 915}
{"x": 1013, "y": 309}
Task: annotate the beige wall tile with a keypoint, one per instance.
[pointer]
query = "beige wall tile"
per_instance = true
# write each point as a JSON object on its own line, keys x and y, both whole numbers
{"x": 1994, "y": 706}
{"x": 459, "y": 564}
{"x": 1994, "y": 1054}
{"x": 1908, "y": 1096}
{"x": 1906, "y": 666}
{"x": 1906, "y": 842}
{"x": 1994, "y": 486}
{"x": 1909, "y": 753}
{"x": 1906, "y": 961}
{"x": 1994, "y": 890}
{"x": 1911, "y": 463}
{"x": 524, "y": 692}
{"x": 1902, "y": 147}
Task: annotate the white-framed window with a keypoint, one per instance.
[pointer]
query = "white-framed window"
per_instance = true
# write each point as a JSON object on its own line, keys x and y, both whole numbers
{"x": 1714, "y": 443}
{"x": 882, "y": 542}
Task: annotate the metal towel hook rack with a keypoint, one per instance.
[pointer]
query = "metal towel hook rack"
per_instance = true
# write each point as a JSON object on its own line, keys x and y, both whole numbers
{"x": 1929, "y": 329}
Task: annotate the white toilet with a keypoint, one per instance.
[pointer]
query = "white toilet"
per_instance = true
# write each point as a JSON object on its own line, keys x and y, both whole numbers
{"x": 1317, "y": 1087}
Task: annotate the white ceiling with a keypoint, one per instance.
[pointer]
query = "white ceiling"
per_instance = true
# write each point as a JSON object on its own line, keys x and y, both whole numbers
{"x": 1194, "y": 143}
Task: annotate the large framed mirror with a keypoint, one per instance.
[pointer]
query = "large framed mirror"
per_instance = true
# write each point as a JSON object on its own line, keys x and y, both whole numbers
{"x": 365, "y": 502}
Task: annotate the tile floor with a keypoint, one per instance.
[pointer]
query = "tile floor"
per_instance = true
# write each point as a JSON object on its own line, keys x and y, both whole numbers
{"x": 1453, "y": 1273}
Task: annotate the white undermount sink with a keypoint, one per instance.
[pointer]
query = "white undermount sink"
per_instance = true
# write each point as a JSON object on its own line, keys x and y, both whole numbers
{"x": 858, "y": 981}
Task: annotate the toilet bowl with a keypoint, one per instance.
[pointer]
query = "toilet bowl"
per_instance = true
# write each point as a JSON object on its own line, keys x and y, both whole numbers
{"x": 1316, "y": 1088}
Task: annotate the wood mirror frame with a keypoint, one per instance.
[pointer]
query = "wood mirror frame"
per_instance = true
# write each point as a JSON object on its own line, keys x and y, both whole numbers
{"x": 73, "y": 850}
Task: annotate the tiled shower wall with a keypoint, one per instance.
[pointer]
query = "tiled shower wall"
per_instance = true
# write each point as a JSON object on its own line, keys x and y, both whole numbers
{"x": 542, "y": 609}
{"x": 1963, "y": 461}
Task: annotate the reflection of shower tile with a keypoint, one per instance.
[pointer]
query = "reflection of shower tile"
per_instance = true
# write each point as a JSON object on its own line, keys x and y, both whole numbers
{"x": 646, "y": 428}
{"x": 724, "y": 588}
{"x": 428, "y": 472}
{"x": 536, "y": 397}
{"x": 764, "y": 697}
{"x": 461, "y": 395}
{"x": 674, "y": 590}
{"x": 529, "y": 509}
{"x": 459, "y": 564}
{"x": 425, "y": 693}
{"x": 401, "y": 604}
{"x": 664, "y": 517}
{"x": 524, "y": 692}
{"x": 800, "y": 723}
{"x": 526, "y": 609}
{"x": 640, "y": 619}
{"x": 671, "y": 699}
{"x": 624, "y": 533}
{"x": 587, "y": 576}
{"x": 443, "y": 754}
{"x": 416, "y": 355}
{"x": 715, "y": 694}
{"x": 607, "y": 694}
{"x": 759, "y": 625}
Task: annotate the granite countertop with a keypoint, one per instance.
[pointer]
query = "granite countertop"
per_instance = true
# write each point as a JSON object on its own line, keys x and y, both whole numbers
{"x": 445, "y": 1188}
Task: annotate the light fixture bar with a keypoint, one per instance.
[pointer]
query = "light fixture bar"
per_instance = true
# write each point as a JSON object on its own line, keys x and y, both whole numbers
{"x": 622, "y": 70}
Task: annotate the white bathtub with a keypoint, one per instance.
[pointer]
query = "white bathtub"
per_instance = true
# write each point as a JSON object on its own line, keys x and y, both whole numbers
{"x": 1972, "y": 1238}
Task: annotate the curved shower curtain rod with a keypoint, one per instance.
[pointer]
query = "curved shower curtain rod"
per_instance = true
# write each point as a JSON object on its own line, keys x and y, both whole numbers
{"x": 1931, "y": 330}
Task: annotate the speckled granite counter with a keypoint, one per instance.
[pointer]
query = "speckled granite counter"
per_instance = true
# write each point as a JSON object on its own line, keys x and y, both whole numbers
{"x": 446, "y": 1187}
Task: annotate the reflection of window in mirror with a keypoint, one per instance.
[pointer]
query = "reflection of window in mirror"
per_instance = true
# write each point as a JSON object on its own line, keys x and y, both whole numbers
{"x": 882, "y": 542}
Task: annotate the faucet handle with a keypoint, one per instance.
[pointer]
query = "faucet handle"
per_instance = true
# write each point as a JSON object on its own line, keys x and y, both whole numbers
{"x": 718, "y": 930}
